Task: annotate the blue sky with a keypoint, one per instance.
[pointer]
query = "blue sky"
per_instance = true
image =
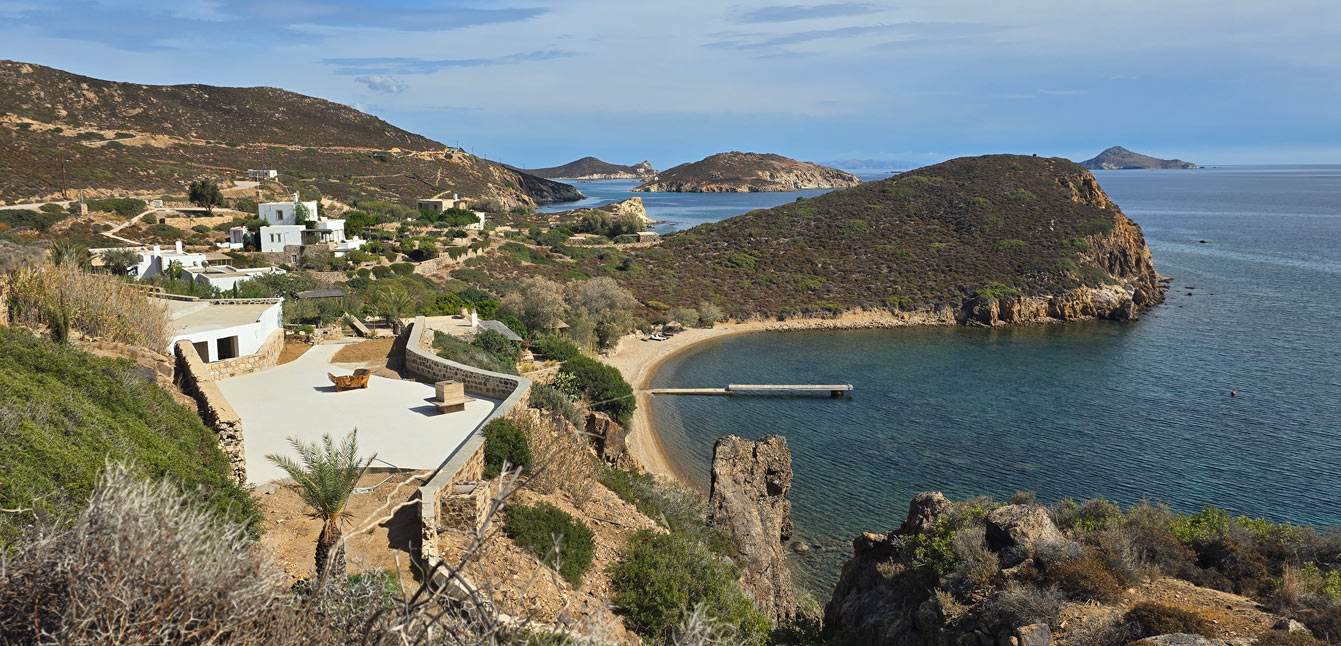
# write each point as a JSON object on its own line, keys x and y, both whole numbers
{"x": 542, "y": 82}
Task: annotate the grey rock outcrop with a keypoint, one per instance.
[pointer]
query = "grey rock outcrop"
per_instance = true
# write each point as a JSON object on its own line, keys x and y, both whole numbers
{"x": 609, "y": 439}
{"x": 1182, "y": 639}
{"x": 748, "y": 502}
{"x": 1020, "y": 526}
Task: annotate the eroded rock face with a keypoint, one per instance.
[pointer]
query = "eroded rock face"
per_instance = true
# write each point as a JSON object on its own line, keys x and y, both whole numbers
{"x": 923, "y": 511}
{"x": 748, "y": 501}
{"x": 609, "y": 440}
{"x": 1020, "y": 526}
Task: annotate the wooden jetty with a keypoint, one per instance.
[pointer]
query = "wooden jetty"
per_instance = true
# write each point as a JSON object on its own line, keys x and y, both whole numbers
{"x": 834, "y": 390}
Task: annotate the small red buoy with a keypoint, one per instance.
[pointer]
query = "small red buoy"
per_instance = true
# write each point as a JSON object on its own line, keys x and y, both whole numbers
{"x": 1233, "y": 393}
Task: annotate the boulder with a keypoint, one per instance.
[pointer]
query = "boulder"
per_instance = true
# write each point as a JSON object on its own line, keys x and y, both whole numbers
{"x": 1020, "y": 526}
{"x": 1034, "y": 635}
{"x": 1292, "y": 626}
{"x": 748, "y": 502}
{"x": 923, "y": 511}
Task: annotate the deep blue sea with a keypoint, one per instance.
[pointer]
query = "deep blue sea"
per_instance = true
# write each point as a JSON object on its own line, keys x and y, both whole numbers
{"x": 674, "y": 211}
{"x": 1102, "y": 409}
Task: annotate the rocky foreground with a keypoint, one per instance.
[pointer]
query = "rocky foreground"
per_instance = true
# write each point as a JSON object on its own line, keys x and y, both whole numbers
{"x": 737, "y": 172}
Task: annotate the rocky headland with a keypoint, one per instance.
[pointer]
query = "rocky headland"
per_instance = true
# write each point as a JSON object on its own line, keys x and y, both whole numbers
{"x": 593, "y": 168}
{"x": 1119, "y": 158}
{"x": 992, "y": 240}
{"x": 737, "y": 172}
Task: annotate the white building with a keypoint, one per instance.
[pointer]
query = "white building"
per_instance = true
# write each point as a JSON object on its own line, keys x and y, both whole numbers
{"x": 285, "y": 212}
{"x": 274, "y": 238}
{"x": 224, "y": 329}
{"x": 225, "y": 277}
{"x": 154, "y": 262}
{"x": 261, "y": 175}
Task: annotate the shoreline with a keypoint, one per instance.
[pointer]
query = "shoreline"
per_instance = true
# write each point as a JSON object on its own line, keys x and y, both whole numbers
{"x": 638, "y": 359}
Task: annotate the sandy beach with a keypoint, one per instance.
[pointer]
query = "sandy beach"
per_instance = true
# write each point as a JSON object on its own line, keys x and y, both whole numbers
{"x": 638, "y": 358}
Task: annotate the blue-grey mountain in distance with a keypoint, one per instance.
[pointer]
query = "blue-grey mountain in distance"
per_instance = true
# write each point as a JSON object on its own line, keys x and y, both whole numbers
{"x": 1119, "y": 158}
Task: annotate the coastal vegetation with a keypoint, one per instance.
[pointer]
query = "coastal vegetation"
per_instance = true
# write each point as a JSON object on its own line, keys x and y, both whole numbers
{"x": 553, "y": 536}
{"x": 67, "y": 413}
{"x": 602, "y": 386}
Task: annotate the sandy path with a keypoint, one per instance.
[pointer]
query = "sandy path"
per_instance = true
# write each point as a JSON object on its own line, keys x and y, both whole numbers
{"x": 638, "y": 359}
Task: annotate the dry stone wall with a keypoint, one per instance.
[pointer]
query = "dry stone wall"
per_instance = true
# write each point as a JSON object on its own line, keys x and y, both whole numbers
{"x": 194, "y": 379}
{"x": 465, "y": 467}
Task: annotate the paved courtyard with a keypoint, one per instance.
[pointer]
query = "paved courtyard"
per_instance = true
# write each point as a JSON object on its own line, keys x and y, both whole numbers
{"x": 395, "y": 419}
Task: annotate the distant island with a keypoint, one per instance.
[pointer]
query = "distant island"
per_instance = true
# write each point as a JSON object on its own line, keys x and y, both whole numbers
{"x": 1119, "y": 158}
{"x": 592, "y": 168}
{"x": 738, "y": 172}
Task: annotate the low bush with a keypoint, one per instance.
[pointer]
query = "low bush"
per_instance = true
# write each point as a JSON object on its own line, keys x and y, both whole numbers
{"x": 504, "y": 443}
{"x": 672, "y": 506}
{"x": 498, "y": 346}
{"x": 662, "y": 576}
{"x": 555, "y": 348}
{"x": 453, "y": 349}
{"x": 603, "y": 386}
{"x": 122, "y": 206}
{"x": 549, "y": 398}
{"x": 1284, "y": 638}
{"x": 1149, "y": 619}
{"x": 1084, "y": 578}
{"x": 402, "y": 268}
{"x": 553, "y": 536}
{"x": 1026, "y": 604}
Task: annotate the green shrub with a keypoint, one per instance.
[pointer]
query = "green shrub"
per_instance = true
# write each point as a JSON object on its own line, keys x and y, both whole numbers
{"x": 677, "y": 509}
{"x": 993, "y": 291}
{"x": 66, "y": 413}
{"x": 122, "y": 206}
{"x": 453, "y": 349}
{"x": 498, "y": 345}
{"x": 931, "y": 554}
{"x": 381, "y": 271}
{"x": 1149, "y": 619}
{"x": 603, "y": 386}
{"x": 535, "y": 529}
{"x": 54, "y": 209}
{"x": 555, "y": 348}
{"x": 549, "y": 398}
{"x": 402, "y": 268}
{"x": 504, "y": 442}
{"x": 663, "y": 576}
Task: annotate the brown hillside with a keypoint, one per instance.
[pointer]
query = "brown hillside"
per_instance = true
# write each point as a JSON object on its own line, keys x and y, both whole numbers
{"x": 60, "y": 132}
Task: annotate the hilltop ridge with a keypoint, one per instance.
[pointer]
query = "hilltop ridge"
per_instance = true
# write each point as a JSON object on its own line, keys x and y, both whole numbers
{"x": 64, "y": 132}
{"x": 593, "y": 168}
{"x": 738, "y": 172}
{"x": 987, "y": 240}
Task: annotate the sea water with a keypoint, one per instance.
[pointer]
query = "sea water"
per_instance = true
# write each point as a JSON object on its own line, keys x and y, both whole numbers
{"x": 1122, "y": 411}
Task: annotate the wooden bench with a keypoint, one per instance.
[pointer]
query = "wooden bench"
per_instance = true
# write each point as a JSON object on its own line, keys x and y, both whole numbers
{"x": 348, "y": 382}
{"x": 451, "y": 396}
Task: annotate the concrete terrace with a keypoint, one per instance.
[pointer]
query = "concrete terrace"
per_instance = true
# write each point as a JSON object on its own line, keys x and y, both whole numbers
{"x": 395, "y": 418}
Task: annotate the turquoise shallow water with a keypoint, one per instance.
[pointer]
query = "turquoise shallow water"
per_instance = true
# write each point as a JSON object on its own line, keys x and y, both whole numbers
{"x": 1122, "y": 411}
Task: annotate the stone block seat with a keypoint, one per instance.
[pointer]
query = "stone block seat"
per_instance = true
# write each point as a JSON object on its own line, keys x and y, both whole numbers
{"x": 451, "y": 396}
{"x": 349, "y": 382}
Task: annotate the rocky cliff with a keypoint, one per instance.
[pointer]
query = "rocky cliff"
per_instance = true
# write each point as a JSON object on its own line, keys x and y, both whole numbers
{"x": 997, "y": 239}
{"x": 593, "y": 168}
{"x": 737, "y": 172}
{"x": 748, "y": 502}
{"x": 1119, "y": 158}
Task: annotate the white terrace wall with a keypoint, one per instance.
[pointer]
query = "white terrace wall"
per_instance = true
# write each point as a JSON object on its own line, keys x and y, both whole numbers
{"x": 466, "y": 464}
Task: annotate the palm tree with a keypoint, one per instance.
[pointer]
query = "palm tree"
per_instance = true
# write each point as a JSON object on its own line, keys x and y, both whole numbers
{"x": 393, "y": 303}
{"x": 324, "y": 477}
{"x": 65, "y": 252}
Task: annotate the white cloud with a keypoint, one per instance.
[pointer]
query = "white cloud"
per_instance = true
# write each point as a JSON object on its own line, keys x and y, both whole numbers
{"x": 383, "y": 83}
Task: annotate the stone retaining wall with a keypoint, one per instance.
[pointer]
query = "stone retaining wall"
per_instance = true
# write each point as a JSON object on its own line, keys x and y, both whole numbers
{"x": 194, "y": 379}
{"x": 465, "y": 466}
{"x": 266, "y": 357}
